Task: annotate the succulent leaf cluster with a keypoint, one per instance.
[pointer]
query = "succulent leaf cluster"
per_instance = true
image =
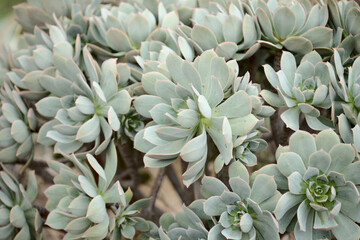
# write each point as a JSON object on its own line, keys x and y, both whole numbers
{"x": 86, "y": 106}
{"x": 172, "y": 76}
{"x": 18, "y": 218}
{"x": 185, "y": 225}
{"x": 18, "y": 127}
{"x": 318, "y": 175}
{"x": 303, "y": 89}
{"x": 85, "y": 204}
{"x": 229, "y": 30}
{"x": 188, "y": 104}
{"x": 298, "y": 26}
{"x": 245, "y": 211}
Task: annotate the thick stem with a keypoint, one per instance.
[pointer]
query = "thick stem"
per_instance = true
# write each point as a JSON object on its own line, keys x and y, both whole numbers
{"x": 171, "y": 174}
{"x": 149, "y": 210}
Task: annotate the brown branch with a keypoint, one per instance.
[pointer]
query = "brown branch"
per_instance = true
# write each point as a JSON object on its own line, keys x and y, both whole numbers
{"x": 148, "y": 212}
{"x": 42, "y": 211}
{"x": 178, "y": 187}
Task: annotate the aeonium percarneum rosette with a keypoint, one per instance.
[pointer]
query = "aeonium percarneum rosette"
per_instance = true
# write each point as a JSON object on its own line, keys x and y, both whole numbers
{"x": 18, "y": 218}
{"x": 86, "y": 204}
{"x": 121, "y": 29}
{"x": 186, "y": 225}
{"x": 344, "y": 17}
{"x": 319, "y": 177}
{"x": 187, "y": 104}
{"x": 86, "y": 109}
{"x": 230, "y": 29}
{"x": 244, "y": 212}
{"x": 303, "y": 88}
{"x": 18, "y": 126}
{"x": 298, "y": 26}
{"x": 345, "y": 89}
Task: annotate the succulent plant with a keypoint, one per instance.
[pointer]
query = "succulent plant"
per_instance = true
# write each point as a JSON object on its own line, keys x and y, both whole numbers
{"x": 78, "y": 201}
{"x": 44, "y": 13}
{"x": 230, "y": 31}
{"x": 295, "y": 25}
{"x": 344, "y": 90}
{"x": 186, "y": 225}
{"x": 186, "y": 105}
{"x": 303, "y": 89}
{"x": 318, "y": 176}
{"x": 82, "y": 109}
{"x": 126, "y": 221}
{"x": 18, "y": 218}
{"x": 26, "y": 65}
{"x": 155, "y": 51}
{"x": 18, "y": 125}
{"x": 120, "y": 30}
{"x": 244, "y": 212}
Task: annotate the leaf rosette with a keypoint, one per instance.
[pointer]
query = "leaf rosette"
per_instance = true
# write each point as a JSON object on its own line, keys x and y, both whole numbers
{"x": 18, "y": 218}
{"x": 120, "y": 30}
{"x": 84, "y": 110}
{"x": 345, "y": 89}
{"x": 298, "y": 26}
{"x": 343, "y": 18}
{"x": 18, "y": 127}
{"x": 230, "y": 29}
{"x": 244, "y": 212}
{"x": 319, "y": 177}
{"x": 303, "y": 89}
{"x": 188, "y": 104}
{"x": 79, "y": 202}
{"x": 43, "y": 14}
{"x": 185, "y": 225}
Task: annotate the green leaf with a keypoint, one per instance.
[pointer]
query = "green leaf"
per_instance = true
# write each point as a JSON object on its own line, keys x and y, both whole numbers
{"x": 78, "y": 226}
{"x": 19, "y": 131}
{"x": 89, "y": 131}
{"x": 138, "y": 28}
{"x": 342, "y": 155}
{"x": 87, "y": 186}
{"x": 113, "y": 119}
{"x": 188, "y": 118}
{"x": 121, "y": 102}
{"x": 97, "y": 210}
{"x": 98, "y": 231}
{"x": 58, "y": 220}
{"x": 284, "y": 22}
{"x": 286, "y": 202}
{"x": 48, "y": 106}
{"x": 220, "y": 131}
{"x": 238, "y": 105}
{"x": 291, "y": 118}
{"x": 118, "y": 40}
{"x": 263, "y": 188}
{"x": 214, "y": 206}
{"x": 214, "y": 186}
{"x": 290, "y": 162}
{"x": 302, "y": 143}
{"x": 17, "y": 217}
{"x": 195, "y": 149}
{"x": 85, "y": 105}
{"x": 31, "y": 188}
{"x": 96, "y": 166}
{"x": 204, "y": 37}
{"x": 320, "y": 160}
{"x": 204, "y": 107}
{"x": 298, "y": 45}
